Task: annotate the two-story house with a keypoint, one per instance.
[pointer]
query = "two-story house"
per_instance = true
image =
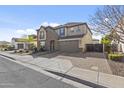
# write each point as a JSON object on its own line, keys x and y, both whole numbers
{"x": 118, "y": 38}
{"x": 70, "y": 37}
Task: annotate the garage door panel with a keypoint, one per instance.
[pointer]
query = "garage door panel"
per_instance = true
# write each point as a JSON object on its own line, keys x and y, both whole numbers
{"x": 69, "y": 46}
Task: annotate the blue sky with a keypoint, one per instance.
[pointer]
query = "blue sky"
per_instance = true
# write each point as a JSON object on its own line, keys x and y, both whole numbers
{"x": 16, "y": 21}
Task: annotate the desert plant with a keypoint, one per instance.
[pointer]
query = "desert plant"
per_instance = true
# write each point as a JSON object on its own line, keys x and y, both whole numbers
{"x": 115, "y": 57}
{"x": 26, "y": 51}
{"x": 20, "y": 51}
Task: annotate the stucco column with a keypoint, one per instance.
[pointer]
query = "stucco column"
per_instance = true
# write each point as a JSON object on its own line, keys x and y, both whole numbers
{"x": 103, "y": 48}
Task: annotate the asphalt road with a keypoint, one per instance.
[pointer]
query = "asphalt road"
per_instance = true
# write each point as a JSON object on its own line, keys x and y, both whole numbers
{"x": 13, "y": 75}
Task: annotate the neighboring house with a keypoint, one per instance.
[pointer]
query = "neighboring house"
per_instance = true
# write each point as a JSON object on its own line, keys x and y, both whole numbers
{"x": 120, "y": 45}
{"x": 24, "y": 43}
{"x": 19, "y": 44}
{"x": 4, "y": 45}
{"x": 70, "y": 37}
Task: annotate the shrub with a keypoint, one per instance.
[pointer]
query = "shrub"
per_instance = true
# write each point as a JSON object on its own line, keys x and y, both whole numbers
{"x": 5, "y": 49}
{"x": 42, "y": 49}
{"x": 20, "y": 51}
{"x": 10, "y": 48}
{"x": 108, "y": 48}
{"x": 15, "y": 51}
{"x": 27, "y": 51}
{"x": 31, "y": 46}
{"x": 116, "y": 57}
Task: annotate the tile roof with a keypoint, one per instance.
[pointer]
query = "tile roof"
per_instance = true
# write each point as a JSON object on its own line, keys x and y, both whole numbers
{"x": 70, "y": 24}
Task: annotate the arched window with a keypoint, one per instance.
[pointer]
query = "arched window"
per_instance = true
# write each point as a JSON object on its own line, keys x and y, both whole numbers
{"x": 42, "y": 35}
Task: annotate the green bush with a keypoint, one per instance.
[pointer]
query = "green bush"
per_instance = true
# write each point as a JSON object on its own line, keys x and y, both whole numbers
{"x": 20, "y": 51}
{"x": 115, "y": 57}
{"x": 5, "y": 49}
{"x": 108, "y": 48}
{"x": 26, "y": 51}
{"x": 10, "y": 48}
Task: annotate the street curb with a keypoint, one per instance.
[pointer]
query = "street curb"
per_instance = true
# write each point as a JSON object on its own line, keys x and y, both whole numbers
{"x": 8, "y": 57}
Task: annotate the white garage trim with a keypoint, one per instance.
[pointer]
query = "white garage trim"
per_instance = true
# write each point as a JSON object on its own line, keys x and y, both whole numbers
{"x": 69, "y": 39}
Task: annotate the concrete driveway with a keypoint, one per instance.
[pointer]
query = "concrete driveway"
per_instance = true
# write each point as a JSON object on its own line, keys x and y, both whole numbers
{"x": 91, "y": 61}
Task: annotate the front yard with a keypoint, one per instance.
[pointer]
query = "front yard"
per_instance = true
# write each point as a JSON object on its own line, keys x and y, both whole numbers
{"x": 116, "y": 63}
{"x": 117, "y": 67}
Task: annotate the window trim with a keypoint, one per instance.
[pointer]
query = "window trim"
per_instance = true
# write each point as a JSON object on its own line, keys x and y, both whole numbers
{"x": 78, "y": 29}
{"x": 44, "y": 35}
{"x": 62, "y": 32}
{"x": 42, "y": 43}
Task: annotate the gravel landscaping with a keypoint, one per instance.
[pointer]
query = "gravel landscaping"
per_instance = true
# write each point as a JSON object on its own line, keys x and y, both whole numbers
{"x": 117, "y": 68}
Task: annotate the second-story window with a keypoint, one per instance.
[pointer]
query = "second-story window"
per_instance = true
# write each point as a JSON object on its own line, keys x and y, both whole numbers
{"x": 62, "y": 32}
{"x": 42, "y": 35}
{"x": 78, "y": 29}
{"x": 72, "y": 30}
{"x": 57, "y": 31}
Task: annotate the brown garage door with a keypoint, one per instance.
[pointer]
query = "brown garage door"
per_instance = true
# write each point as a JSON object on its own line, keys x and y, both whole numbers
{"x": 69, "y": 46}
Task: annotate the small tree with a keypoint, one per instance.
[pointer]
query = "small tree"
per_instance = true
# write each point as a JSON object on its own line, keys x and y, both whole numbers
{"x": 31, "y": 46}
{"x": 106, "y": 41}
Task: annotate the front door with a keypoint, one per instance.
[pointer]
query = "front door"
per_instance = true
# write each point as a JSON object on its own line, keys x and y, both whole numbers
{"x": 52, "y": 45}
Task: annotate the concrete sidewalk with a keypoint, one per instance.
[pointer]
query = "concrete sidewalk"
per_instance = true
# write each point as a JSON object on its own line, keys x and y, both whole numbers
{"x": 59, "y": 65}
{"x": 69, "y": 73}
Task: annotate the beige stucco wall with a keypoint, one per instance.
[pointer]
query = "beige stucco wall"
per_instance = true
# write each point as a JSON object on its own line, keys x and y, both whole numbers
{"x": 87, "y": 39}
{"x": 70, "y": 32}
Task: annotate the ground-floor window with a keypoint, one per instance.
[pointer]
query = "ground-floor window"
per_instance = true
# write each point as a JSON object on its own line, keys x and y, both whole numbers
{"x": 42, "y": 43}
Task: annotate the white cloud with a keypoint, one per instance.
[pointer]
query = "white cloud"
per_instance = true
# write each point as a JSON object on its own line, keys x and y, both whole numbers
{"x": 26, "y": 31}
{"x": 8, "y": 33}
{"x": 106, "y": 20}
{"x": 45, "y": 23}
{"x": 20, "y": 31}
{"x": 49, "y": 24}
{"x": 97, "y": 37}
